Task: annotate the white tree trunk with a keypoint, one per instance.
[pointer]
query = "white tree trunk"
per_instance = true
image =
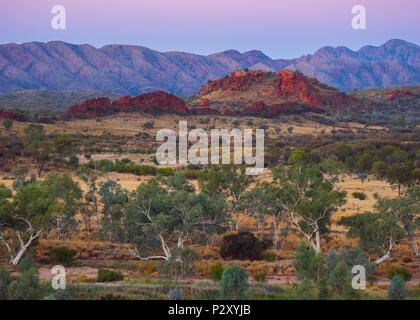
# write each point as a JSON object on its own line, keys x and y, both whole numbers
{"x": 387, "y": 254}
{"x": 15, "y": 259}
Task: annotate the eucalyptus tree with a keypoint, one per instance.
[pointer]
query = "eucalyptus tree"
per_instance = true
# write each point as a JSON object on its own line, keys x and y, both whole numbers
{"x": 24, "y": 218}
{"x": 90, "y": 177}
{"x": 308, "y": 197}
{"x": 393, "y": 221}
{"x": 67, "y": 196}
{"x": 160, "y": 215}
{"x": 232, "y": 183}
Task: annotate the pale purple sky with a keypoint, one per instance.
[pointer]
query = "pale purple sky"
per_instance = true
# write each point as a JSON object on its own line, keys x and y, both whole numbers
{"x": 279, "y": 28}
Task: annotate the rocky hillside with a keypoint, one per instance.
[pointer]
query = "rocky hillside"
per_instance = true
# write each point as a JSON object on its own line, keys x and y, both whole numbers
{"x": 259, "y": 93}
{"x": 397, "y": 101}
{"x": 133, "y": 70}
{"x": 241, "y": 93}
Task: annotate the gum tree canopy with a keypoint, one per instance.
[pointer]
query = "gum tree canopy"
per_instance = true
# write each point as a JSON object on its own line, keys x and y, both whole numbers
{"x": 32, "y": 211}
{"x": 307, "y": 196}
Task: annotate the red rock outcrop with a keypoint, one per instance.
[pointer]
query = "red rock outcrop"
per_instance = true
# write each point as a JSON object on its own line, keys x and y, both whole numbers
{"x": 153, "y": 102}
{"x": 90, "y": 109}
{"x": 236, "y": 81}
{"x": 204, "y": 103}
{"x": 11, "y": 115}
{"x": 258, "y": 92}
{"x": 158, "y": 101}
{"x": 295, "y": 86}
{"x": 397, "y": 94}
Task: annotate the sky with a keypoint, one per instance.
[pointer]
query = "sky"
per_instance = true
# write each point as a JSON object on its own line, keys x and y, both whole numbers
{"x": 279, "y": 28}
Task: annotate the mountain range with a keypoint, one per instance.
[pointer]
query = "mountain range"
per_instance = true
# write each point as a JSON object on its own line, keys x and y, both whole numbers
{"x": 126, "y": 69}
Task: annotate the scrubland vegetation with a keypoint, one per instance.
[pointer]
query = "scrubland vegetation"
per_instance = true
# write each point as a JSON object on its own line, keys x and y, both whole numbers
{"x": 94, "y": 201}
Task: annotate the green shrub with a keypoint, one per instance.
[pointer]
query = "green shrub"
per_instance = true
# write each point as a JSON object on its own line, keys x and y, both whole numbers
{"x": 323, "y": 292}
{"x": 62, "y": 255}
{"x": 307, "y": 263}
{"x": 216, "y": 271}
{"x": 340, "y": 281}
{"x": 241, "y": 246}
{"x": 403, "y": 272}
{"x": 101, "y": 165}
{"x": 268, "y": 256}
{"x": 26, "y": 287}
{"x": 397, "y": 289}
{"x": 182, "y": 263}
{"x": 305, "y": 290}
{"x": 359, "y": 195}
{"x": 260, "y": 276}
{"x": 351, "y": 257}
{"x": 234, "y": 283}
{"x": 149, "y": 125}
{"x": 4, "y": 283}
{"x": 7, "y": 123}
{"x": 26, "y": 263}
{"x": 105, "y": 275}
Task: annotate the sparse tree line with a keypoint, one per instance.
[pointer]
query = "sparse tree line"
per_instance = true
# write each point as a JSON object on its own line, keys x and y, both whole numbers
{"x": 53, "y": 150}
{"x": 168, "y": 213}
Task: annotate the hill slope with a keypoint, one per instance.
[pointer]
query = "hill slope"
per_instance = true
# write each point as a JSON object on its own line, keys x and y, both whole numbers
{"x": 258, "y": 92}
{"x": 124, "y": 69}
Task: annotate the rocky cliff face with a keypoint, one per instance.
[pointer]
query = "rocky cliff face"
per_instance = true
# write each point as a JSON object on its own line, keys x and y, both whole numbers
{"x": 154, "y": 102}
{"x": 295, "y": 86}
{"x": 258, "y": 92}
{"x": 11, "y": 115}
{"x": 238, "y": 80}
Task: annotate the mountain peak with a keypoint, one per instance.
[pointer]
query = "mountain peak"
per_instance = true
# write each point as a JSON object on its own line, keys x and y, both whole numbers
{"x": 129, "y": 69}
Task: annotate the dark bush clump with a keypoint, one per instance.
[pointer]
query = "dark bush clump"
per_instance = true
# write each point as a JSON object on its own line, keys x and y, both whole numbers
{"x": 359, "y": 195}
{"x": 404, "y": 273}
{"x": 241, "y": 246}
{"x": 62, "y": 255}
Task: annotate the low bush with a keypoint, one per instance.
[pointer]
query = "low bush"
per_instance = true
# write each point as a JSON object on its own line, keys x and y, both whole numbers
{"x": 268, "y": 256}
{"x": 26, "y": 287}
{"x": 403, "y": 272}
{"x": 359, "y": 195}
{"x": 4, "y": 283}
{"x": 397, "y": 289}
{"x": 105, "y": 275}
{"x": 146, "y": 268}
{"x": 234, "y": 283}
{"x": 216, "y": 271}
{"x": 62, "y": 255}
{"x": 149, "y": 124}
{"x": 260, "y": 276}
